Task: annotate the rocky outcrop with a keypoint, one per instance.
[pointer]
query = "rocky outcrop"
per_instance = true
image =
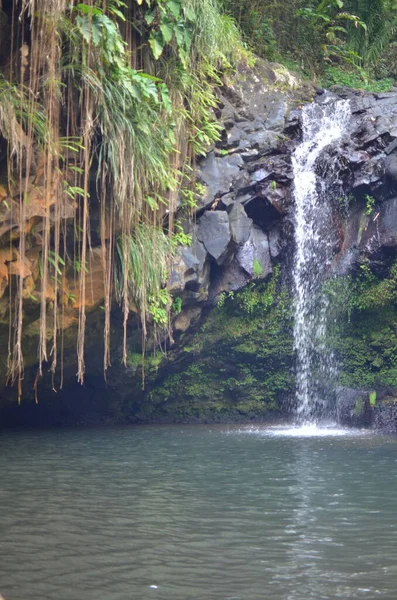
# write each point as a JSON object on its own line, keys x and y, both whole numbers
{"x": 353, "y": 407}
{"x": 236, "y": 361}
{"x": 247, "y": 179}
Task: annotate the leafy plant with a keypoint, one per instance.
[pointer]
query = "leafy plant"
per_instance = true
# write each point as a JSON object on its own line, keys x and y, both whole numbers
{"x": 180, "y": 238}
{"x": 177, "y": 305}
{"x": 369, "y": 204}
{"x": 257, "y": 268}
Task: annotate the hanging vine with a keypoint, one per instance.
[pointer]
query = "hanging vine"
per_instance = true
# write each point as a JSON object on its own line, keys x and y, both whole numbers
{"x": 104, "y": 106}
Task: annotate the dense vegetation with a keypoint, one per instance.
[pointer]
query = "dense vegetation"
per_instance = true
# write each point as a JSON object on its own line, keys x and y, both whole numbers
{"x": 353, "y": 42}
{"x": 103, "y": 108}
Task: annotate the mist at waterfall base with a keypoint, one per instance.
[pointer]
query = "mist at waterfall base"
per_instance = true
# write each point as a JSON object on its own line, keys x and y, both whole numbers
{"x": 323, "y": 124}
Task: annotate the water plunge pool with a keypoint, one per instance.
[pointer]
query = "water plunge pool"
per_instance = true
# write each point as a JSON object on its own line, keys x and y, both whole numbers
{"x": 198, "y": 512}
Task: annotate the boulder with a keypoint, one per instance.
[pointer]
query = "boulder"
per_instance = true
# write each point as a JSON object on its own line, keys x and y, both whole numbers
{"x": 385, "y": 416}
{"x": 217, "y": 173}
{"x": 254, "y": 255}
{"x": 391, "y": 168}
{"x": 187, "y": 318}
{"x": 230, "y": 279}
{"x": 240, "y": 224}
{"x": 353, "y": 407}
{"x": 189, "y": 269}
{"x": 275, "y": 243}
{"x": 214, "y": 232}
{"x": 277, "y": 109}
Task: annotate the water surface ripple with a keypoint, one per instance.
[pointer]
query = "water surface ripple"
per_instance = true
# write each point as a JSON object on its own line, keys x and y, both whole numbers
{"x": 211, "y": 513}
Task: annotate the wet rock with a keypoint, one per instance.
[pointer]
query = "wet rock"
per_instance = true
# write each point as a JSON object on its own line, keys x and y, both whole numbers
{"x": 275, "y": 243}
{"x": 385, "y": 416}
{"x": 230, "y": 279}
{"x": 180, "y": 274}
{"x": 255, "y": 254}
{"x": 218, "y": 174}
{"x": 240, "y": 224}
{"x": 228, "y": 199}
{"x": 260, "y": 175}
{"x": 190, "y": 271}
{"x": 187, "y": 318}
{"x": 381, "y": 231}
{"x": 276, "y": 113}
{"x": 262, "y": 212}
{"x": 353, "y": 407}
{"x": 391, "y": 168}
{"x": 214, "y": 232}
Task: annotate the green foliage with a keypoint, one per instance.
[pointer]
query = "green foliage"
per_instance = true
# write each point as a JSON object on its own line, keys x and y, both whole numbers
{"x": 354, "y": 78}
{"x": 173, "y": 24}
{"x": 380, "y": 17}
{"x": 364, "y": 327}
{"x": 327, "y": 24}
{"x": 372, "y": 398}
{"x": 253, "y": 19}
{"x": 369, "y": 204}
{"x": 256, "y": 299}
{"x": 238, "y": 363}
{"x": 177, "y": 305}
{"x": 18, "y": 113}
{"x": 340, "y": 40}
{"x": 180, "y": 238}
{"x": 223, "y": 297}
{"x": 143, "y": 269}
{"x": 158, "y": 307}
{"x": 257, "y": 268}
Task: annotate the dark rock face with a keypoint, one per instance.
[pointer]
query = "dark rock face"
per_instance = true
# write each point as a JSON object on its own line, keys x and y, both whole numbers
{"x": 385, "y": 417}
{"x": 254, "y": 255}
{"x": 254, "y": 181}
{"x": 248, "y": 179}
{"x": 352, "y": 407}
{"x": 241, "y": 233}
{"x": 214, "y": 232}
{"x": 218, "y": 174}
{"x": 240, "y": 224}
{"x": 257, "y": 200}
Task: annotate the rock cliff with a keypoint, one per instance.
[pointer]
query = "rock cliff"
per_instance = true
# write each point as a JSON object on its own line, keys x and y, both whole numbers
{"x": 231, "y": 354}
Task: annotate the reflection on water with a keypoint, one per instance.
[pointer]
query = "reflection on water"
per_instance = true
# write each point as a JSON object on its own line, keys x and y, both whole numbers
{"x": 178, "y": 513}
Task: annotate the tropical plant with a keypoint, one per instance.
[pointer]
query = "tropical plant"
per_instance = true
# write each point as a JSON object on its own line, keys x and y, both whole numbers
{"x": 121, "y": 93}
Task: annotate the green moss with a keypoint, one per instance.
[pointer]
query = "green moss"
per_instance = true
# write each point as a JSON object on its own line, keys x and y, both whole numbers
{"x": 359, "y": 407}
{"x": 372, "y": 399}
{"x": 238, "y": 362}
{"x": 364, "y": 334}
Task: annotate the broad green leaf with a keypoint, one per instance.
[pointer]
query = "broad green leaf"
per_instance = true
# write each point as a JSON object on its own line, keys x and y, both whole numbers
{"x": 189, "y": 13}
{"x": 180, "y": 36}
{"x": 96, "y": 31}
{"x": 165, "y": 98}
{"x": 167, "y": 31}
{"x": 88, "y": 10}
{"x": 187, "y": 39}
{"x": 118, "y": 14}
{"x": 157, "y": 44}
{"x": 149, "y": 17}
{"x": 174, "y": 7}
{"x": 143, "y": 75}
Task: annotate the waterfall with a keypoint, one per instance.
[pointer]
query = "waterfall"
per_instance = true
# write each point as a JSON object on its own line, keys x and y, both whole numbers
{"x": 322, "y": 125}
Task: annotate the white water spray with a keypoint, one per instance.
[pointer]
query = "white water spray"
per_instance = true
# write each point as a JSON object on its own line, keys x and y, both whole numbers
{"x": 323, "y": 124}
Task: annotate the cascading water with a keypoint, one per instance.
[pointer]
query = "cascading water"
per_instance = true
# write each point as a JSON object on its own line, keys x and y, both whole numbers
{"x": 322, "y": 125}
